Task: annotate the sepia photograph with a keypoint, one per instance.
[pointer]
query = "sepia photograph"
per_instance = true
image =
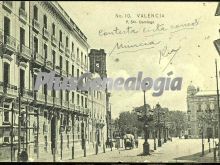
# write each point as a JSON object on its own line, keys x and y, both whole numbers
{"x": 110, "y": 82}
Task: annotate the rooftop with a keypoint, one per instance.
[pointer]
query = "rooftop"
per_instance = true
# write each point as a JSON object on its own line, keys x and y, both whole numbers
{"x": 206, "y": 93}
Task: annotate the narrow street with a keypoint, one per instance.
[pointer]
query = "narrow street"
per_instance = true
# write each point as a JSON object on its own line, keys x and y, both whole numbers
{"x": 179, "y": 150}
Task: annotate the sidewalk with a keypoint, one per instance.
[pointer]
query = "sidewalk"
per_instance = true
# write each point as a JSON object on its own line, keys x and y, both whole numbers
{"x": 209, "y": 158}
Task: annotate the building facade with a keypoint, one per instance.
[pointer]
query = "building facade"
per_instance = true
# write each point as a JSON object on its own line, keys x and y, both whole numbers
{"x": 41, "y": 37}
{"x": 201, "y": 113}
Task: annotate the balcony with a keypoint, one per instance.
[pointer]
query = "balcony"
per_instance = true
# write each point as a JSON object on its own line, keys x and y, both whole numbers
{"x": 49, "y": 65}
{"x": 22, "y": 15}
{"x": 67, "y": 52}
{"x": 9, "y": 44}
{"x": 77, "y": 108}
{"x": 25, "y": 52}
{"x": 54, "y": 41}
{"x": 78, "y": 61}
{"x": 57, "y": 101}
{"x": 8, "y": 5}
{"x": 27, "y": 94}
{"x": 66, "y": 104}
{"x": 46, "y": 33}
{"x": 57, "y": 69}
{"x": 71, "y": 106}
{"x": 61, "y": 46}
{"x": 39, "y": 59}
{"x": 49, "y": 99}
{"x": 36, "y": 25}
{"x": 64, "y": 73}
{"x": 40, "y": 97}
{"x": 73, "y": 56}
{"x": 9, "y": 89}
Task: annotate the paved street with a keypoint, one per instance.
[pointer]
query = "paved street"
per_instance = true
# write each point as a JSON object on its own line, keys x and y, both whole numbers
{"x": 179, "y": 150}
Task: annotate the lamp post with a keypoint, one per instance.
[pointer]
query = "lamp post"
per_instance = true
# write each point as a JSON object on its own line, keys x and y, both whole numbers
{"x": 146, "y": 145}
{"x": 158, "y": 108}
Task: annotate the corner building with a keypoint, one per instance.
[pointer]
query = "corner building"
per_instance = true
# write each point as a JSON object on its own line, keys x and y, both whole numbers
{"x": 41, "y": 37}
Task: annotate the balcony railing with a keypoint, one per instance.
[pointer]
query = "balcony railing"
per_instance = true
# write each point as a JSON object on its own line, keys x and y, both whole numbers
{"x": 40, "y": 97}
{"x": 78, "y": 60}
{"x": 77, "y": 108}
{"x": 61, "y": 46}
{"x": 49, "y": 64}
{"x": 72, "y": 55}
{"x": 54, "y": 40}
{"x": 67, "y": 52}
{"x": 39, "y": 58}
{"x": 23, "y": 14}
{"x": 46, "y": 33}
{"x": 57, "y": 69}
{"x": 25, "y": 52}
{"x": 66, "y": 104}
{"x": 49, "y": 99}
{"x": 8, "y": 5}
{"x": 71, "y": 106}
{"x": 9, "y": 89}
{"x": 36, "y": 25}
{"x": 57, "y": 101}
{"x": 64, "y": 72}
{"x": 10, "y": 43}
{"x": 27, "y": 93}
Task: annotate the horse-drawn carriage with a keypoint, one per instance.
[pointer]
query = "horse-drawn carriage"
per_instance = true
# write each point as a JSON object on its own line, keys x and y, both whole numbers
{"x": 129, "y": 141}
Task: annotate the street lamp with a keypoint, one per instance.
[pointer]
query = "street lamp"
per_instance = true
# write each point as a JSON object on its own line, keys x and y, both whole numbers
{"x": 158, "y": 108}
{"x": 146, "y": 145}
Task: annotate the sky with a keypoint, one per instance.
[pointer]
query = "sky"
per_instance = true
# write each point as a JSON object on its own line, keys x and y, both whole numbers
{"x": 179, "y": 40}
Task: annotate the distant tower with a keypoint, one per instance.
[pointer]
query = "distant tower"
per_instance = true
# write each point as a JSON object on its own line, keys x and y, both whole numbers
{"x": 97, "y": 60}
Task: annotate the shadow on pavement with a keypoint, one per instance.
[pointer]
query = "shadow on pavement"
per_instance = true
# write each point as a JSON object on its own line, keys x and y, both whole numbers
{"x": 194, "y": 157}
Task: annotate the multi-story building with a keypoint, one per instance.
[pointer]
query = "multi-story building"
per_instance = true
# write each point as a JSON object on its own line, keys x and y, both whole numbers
{"x": 41, "y": 37}
{"x": 201, "y": 103}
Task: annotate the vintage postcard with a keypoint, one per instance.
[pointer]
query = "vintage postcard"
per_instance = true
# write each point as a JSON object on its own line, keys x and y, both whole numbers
{"x": 122, "y": 81}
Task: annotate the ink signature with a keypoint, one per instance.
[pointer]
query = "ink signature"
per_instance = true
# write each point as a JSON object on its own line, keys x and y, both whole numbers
{"x": 167, "y": 53}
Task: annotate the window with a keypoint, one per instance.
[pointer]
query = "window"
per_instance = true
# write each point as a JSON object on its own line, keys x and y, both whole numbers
{"x": 45, "y": 51}
{"x": 23, "y": 5}
{"x": 35, "y": 12}
{"x": 77, "y": 99}
{"x": 6, "y": 75}
{"x": 81, "y": 57}
{"x": 7, "y": 27}
{"x": 22, "y": 37}
{"x": 67, "y": 67}
{"x": 6, "y": 139}
{"x": 35, "y": 45}
{"x": 77, "y": 52}
{"x": 61, "y": 36}
{"x": 67, "y": 95}
{"x": 54, "y": 58}
{"x": 61, "y": 94}
{"x": 53, "y": 93}
{"x": 67, "y": 42}
{"x": 85, "y": 59}
{"x": 72, "y": 47}
{"x": 45, "y": 114}
{"x": 85, "y": 102}
{"x": 68, "y": 141}
{"x": 53, "y": 29}
{"x": 77, "y": 73}
{"x": 22, "y": 80}
{"x": 45, "y": 141}
{"x": 6, "y": 116}
{"x": 82, "y": 101}
{"x": 61, "y": 62}
{"x": 72, "y": 97}
{"x": 45, "y": 21}
{"x": 73, "y": 70}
